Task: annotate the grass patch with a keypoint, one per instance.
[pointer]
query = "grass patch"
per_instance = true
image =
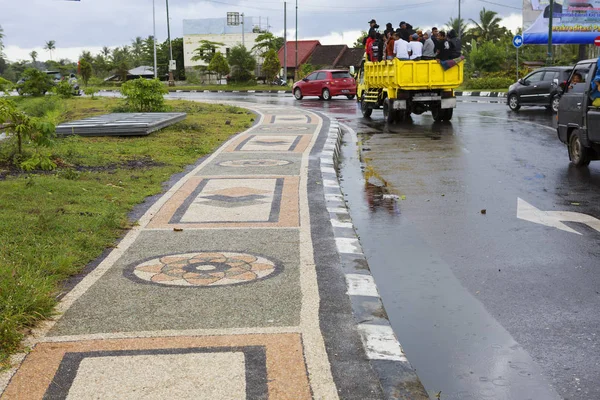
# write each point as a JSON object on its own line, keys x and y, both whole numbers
{"x": 53, "y": 224}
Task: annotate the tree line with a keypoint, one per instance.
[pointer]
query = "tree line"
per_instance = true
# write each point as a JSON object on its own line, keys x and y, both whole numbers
{"x": 489, "y": 51}
{"x": 240, "y": 62}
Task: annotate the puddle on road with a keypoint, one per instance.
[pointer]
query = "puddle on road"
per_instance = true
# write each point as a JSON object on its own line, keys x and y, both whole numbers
{"x": 377, "y": 191}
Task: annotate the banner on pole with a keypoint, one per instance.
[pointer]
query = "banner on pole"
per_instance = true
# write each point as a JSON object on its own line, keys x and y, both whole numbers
{"x": 574, "y": 22}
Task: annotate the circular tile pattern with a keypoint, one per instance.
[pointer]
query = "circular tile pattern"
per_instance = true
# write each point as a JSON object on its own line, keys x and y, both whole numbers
{"x": 254, "y": 163}
{"x": 204, "y": 269}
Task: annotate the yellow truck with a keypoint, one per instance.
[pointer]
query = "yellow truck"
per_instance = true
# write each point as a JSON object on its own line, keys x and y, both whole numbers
{"x": 404, "y": 87}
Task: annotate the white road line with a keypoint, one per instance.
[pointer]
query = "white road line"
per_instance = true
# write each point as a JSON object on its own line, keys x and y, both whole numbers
{"x": 381, "y": 343}
{"x": 361, "y": 285}
{"x": 338, "y": 224}
{"x": 348, "y": 246}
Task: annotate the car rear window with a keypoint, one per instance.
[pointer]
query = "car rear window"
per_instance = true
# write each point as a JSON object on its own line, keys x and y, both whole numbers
{"x": 340, "y": 75}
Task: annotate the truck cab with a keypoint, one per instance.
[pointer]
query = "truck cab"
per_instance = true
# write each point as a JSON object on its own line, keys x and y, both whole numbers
{"x": 578, "y": 122}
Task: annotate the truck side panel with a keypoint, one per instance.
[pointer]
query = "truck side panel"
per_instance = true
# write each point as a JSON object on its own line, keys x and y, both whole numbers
{"x": 412, "y": 75}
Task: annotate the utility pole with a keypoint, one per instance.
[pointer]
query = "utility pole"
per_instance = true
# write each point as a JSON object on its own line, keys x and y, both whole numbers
{"x": 154, "y": 37}
{"x": 243, "y": 43}
{"x": 284, "y": 40}
{"x": 296, "y": 64}
{"x": 549, "y": 59}
{"x": 171, "y": 80}
{"x": 459, "y": 21}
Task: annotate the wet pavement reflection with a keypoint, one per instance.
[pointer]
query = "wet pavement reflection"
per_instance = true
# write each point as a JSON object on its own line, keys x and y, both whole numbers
{"x": 486, "y": 306}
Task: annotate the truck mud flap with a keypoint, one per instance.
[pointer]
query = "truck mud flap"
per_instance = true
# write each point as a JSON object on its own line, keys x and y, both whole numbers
{"x": 449, "y": 103}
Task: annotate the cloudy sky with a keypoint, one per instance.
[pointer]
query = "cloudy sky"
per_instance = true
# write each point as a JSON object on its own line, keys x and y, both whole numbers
{"x": 91, "y": 24}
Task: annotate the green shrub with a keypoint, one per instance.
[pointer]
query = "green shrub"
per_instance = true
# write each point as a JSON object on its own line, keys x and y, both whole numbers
{"x": 144, "y": 95}
{"x": 488, "y": 83}
{"x": 487, "y": 57}
{"x": 90, "y": 91}
{"x": 26, "y": 130}
{"x": 5, "y": 85}
{"x": 64, "y": 89}
{"x": 36, "y": 83}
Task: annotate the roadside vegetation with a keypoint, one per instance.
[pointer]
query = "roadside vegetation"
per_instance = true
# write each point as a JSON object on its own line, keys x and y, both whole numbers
{"x": 56, "y": 220}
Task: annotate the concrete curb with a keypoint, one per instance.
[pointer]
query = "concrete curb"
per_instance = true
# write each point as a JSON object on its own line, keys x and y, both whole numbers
{"x": 397, "y": 377}
{"x": 481, "y": 94}
{"x": 460, "y": 94}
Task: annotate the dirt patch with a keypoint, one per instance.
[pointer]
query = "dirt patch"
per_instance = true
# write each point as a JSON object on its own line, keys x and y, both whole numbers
{"x": 134, "y": 164}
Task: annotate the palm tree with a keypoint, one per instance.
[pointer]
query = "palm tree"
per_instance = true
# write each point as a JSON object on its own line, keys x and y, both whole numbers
{"x": 33, "y": 55}
{"x": 458, "y": 24}
{"x": 137, "y": 50}
{"x": 105, "y": 51}
{"x": 50, "y": 47}
{"x": 488, "y": 28}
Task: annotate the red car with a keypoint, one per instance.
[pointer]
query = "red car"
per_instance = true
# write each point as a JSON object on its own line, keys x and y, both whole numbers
{"x": 326, "y": 84}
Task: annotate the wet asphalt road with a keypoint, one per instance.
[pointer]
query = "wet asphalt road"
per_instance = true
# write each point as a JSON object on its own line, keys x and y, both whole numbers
{"x": 485, "y": 305}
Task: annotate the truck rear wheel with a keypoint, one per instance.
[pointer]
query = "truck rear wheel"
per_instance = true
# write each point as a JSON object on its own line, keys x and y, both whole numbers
{"x": 448, "y": 114}
{"x": 388, "y": 112}
{"x": 364, "y": 108}
{"x": 580, "y": 156}
{"x": 438, "y": 114}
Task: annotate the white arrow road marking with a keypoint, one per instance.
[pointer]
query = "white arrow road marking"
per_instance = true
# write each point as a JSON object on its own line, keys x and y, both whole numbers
{"x": 554, "y": 219}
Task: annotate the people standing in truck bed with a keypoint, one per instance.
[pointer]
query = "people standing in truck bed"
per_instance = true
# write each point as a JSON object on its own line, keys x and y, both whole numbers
{"x": 400, "y": 48}
{"x": 428, "y": 47}
{"x": 415, "y": 48}
{"x": 389, "y": 47}
{"x": 455, "y": 44}
{"x": 443, "y": 47}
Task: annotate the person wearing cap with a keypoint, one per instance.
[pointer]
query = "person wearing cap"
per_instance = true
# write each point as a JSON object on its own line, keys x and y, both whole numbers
{"x": 428, "y": 47}
{"x": 415, "y": 48}
{"x": 372, "y": 28}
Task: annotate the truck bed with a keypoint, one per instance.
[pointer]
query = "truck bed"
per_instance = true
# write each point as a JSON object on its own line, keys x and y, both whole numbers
{"x": 412, "y": 75}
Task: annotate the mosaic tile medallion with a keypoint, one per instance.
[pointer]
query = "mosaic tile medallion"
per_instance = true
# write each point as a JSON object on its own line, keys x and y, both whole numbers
{"x": 271, "y": 143}
{"x": 203, "y": 269}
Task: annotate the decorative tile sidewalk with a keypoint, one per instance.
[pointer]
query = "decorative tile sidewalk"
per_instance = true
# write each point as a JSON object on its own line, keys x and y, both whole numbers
{"x": 217, "y": 293}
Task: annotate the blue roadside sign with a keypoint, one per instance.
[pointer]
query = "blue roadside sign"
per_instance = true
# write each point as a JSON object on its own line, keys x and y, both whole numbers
{"x": 518, "y": 41}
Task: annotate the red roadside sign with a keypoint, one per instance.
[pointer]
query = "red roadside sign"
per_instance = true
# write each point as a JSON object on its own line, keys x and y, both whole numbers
{"x": 597, "y": 41}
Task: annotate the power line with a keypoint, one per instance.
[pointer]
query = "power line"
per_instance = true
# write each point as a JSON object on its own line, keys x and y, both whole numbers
{"x": 328, "y": 8}
{"x": 501, "y": 5}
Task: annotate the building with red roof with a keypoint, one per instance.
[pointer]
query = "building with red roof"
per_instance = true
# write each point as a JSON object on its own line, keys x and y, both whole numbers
{"x": 320, "y": 56}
